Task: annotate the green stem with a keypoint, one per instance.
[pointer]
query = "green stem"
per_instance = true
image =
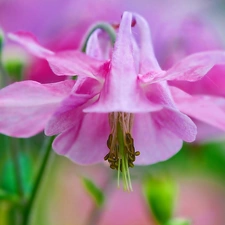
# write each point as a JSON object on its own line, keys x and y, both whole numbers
{"x": 3, "y": 74}
{"x": 17, "y": 200}
{"x": 37, "y": 183}
{"x": 17, "y": 168}
{"x": 104, "y": 26}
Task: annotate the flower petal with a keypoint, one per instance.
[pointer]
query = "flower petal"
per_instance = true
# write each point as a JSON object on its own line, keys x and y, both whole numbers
{"x": 213, "y": 83}
{"x": 155, "y": 142}
{"x": 148, "y": 61}
{"x": 121, "y": 91}
{"x": 207, "y": 133}
{"x": 67, "y": 115}
{"x": 30, "y": 42}
{"x": 25, "y": 107}
{"x": 85, "y": 143}
{"x": 73, "y": 63}
{"x": 195, "y": 66}
{"x": 62, "y": 63}
{"x": 71, "y": 108}
{"x": 159, "y": 93}
{"x": 208, "y": 109}
{"x": 170, "y": 117}
{"x": 178, "y": 123}
{"x": 99, "y": 45}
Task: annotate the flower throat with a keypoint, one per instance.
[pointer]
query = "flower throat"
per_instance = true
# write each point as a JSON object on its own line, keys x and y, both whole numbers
{"x": 122, "y": 153}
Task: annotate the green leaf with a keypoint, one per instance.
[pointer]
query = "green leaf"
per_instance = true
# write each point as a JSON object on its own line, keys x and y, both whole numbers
{"x": 8, "y": 196}
{"x": 178, "y": 221}
{"x": 160, "y": 194}
{"x": 96, "y": 193}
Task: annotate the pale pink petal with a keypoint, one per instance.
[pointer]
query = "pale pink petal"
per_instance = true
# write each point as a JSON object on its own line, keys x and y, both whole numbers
{"x": 99, "y": 45}
{"x": 159, "y": 93}
{"x": 207, "y": 133}
{"x": 25, "y": 107}
{"x": 85, "y": 143}
{"x": 204, "y": 108}
{"x": 67, "y": 115}
{"x": 148, "y": 61}
{"x": 152, "y": 76}
{"x": 29, "y": 41}
{"x": 195, "y": 66}
{"x": 213, "y": 83}
{"x": 62, "y": 63}
{"x": 176, "y": 122}
{"x": 155, "y": 142}
{"x": 121, "y": 91}
{"x": 69, "y": 112}
{"x": 73, "y": 63}
{"x": 170, "y": 117}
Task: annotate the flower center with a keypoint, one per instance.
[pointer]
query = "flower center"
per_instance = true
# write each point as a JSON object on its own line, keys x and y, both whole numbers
{"x": 122, "y": 153}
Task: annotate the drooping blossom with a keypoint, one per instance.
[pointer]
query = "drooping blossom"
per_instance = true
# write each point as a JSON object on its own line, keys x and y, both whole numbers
{"x": 123, "y": 103}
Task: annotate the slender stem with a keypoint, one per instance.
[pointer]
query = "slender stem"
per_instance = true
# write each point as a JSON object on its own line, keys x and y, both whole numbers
{"x": 17, "y": 200}
{"x": 104, "y": 26}
{"x": 3, "y": 74}
{"x": 94, "y": 216}
{"x": 37, "y": 183}
{"x": 17, "y": 168}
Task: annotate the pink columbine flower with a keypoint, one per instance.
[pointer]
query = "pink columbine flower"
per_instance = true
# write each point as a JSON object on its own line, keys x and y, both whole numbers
{"x": 118, "y": 108}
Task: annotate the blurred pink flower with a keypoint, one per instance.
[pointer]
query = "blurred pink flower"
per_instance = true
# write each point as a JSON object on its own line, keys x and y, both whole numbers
{"x": 184, "y": 38}
{"x": 110, "y": 94}
{"x": 200, "y": 200}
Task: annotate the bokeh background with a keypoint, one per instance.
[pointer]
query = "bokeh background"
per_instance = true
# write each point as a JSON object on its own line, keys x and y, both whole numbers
{"x": 190, "y": 185}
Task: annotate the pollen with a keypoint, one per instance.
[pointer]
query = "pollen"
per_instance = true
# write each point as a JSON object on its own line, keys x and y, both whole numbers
{"x": 122, "y": 153}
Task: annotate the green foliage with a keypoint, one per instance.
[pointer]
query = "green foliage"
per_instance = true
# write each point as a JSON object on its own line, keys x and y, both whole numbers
{"x": 96, "y": 193}
{"x": 8, "y": 196}
{"x": 160, "y": 195}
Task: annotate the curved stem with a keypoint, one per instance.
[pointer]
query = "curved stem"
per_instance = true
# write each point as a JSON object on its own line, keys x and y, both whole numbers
{"x": 37, "y": 183}
{"x": 104, "y": 26}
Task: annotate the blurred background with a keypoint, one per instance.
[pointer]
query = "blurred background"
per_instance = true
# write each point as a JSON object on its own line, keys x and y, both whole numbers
{"x": 190, "y": 185}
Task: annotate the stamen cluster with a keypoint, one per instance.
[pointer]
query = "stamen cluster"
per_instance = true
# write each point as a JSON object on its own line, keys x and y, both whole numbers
{"x": 113, "y": 155}
{"x": 122, "y": 153}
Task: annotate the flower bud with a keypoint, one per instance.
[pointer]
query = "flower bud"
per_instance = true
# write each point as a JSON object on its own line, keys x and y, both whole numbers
{"x": 178, "y": 221}
{"x": 160, "y": 194}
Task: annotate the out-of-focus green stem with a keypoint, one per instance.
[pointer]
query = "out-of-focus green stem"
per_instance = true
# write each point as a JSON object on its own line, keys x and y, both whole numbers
{"x": 38, "y": 180}
{"x": 17, "y": 201}
{"x": 17, "y": 168}
{"x": 3, "y": 74}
